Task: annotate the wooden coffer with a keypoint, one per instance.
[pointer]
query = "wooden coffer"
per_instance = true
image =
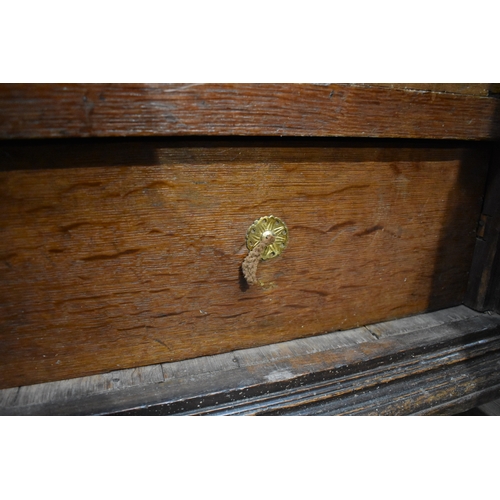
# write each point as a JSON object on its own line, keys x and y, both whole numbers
{"x": 125, "y": 211}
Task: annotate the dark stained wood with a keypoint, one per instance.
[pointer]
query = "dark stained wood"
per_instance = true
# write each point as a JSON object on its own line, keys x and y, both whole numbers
{"x": 118, "y": 254}
{"x": 103, "y": 110}
{"x": 436, "y": 363}
{"x": 494, "y": 89}
{"x": 475, "y": 89}
{"x": 491, "y": 409}
{"x": 483, "y": 291}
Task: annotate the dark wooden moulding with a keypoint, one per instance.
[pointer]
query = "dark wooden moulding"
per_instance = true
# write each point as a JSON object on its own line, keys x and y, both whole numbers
{"x": 389, "y": 350}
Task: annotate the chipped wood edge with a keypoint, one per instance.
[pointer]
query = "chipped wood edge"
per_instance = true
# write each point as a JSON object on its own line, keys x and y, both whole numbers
{"x": 335, "y": 373}
{"x": 471, "y": 89}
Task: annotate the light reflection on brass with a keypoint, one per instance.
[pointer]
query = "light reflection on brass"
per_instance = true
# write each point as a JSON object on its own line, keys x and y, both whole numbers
{"x": 268, "y": 225}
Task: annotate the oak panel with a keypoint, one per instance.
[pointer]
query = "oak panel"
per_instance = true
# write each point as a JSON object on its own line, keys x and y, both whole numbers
{"x": 106, "y": 110}
{"x": 119, "y": 254}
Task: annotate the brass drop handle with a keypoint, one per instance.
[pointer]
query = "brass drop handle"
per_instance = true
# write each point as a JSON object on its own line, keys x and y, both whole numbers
{"x": 266, "y": 238}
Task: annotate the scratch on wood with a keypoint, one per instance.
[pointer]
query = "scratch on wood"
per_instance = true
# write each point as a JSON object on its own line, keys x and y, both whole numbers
{"x": 339, "y": 226}
{"x": 336, "y": 191}
{"x": 369, "y": 230}
{"x": 329, "y": 230}
{"x": 170, "y": 314}
{"x": 111, "y": 256}
{"x": 318, "y": 292}
{"x": 163, "y": 344}
{"x": 131, "y": 328}
{"x": 234, "y": 315}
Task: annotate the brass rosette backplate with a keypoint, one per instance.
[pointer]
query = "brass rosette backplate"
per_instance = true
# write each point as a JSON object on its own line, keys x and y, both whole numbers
{"x": 274, "y": 225}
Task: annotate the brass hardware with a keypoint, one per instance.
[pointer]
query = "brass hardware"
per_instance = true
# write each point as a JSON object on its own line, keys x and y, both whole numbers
{"x": 267, "y": 237}
{"x": 261, "y": 228}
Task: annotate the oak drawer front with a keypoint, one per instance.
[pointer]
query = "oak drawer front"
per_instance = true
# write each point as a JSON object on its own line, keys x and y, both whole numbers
{"x": 124, "y": 253}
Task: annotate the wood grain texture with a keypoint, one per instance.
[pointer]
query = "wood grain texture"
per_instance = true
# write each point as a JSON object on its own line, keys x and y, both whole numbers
{"x": 435, "y": 363}
{"x": 119, "y": 254}
{"x": 83, "y": 110}
{"x": 439, "y": 365}
{"x": 474, "y": 89}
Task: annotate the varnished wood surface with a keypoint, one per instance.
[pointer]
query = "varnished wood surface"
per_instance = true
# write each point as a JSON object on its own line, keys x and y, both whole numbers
{"x": 103, "y": 110}
{"x": 435, "y": 363}
{"x": 120, "y": 254}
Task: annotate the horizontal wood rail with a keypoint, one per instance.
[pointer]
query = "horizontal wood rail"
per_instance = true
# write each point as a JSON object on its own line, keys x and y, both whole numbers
{"x": 333, "y": 110}
{"x": 437, "y": 363}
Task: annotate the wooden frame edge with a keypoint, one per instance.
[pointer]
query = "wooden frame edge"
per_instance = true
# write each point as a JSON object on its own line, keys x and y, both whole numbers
{"x": 435, "y": 363}
{"x": 322, "y": 110}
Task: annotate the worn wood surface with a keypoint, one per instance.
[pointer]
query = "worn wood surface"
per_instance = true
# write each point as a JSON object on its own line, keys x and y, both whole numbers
{"x": 483, "y": 291}
{"x": 473, "y": 89}
{"x": 435, "y": 363}
{"x": 103, "y": 110}
{"x": 120, "y": 254}
{"x": 491, "y": 409}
